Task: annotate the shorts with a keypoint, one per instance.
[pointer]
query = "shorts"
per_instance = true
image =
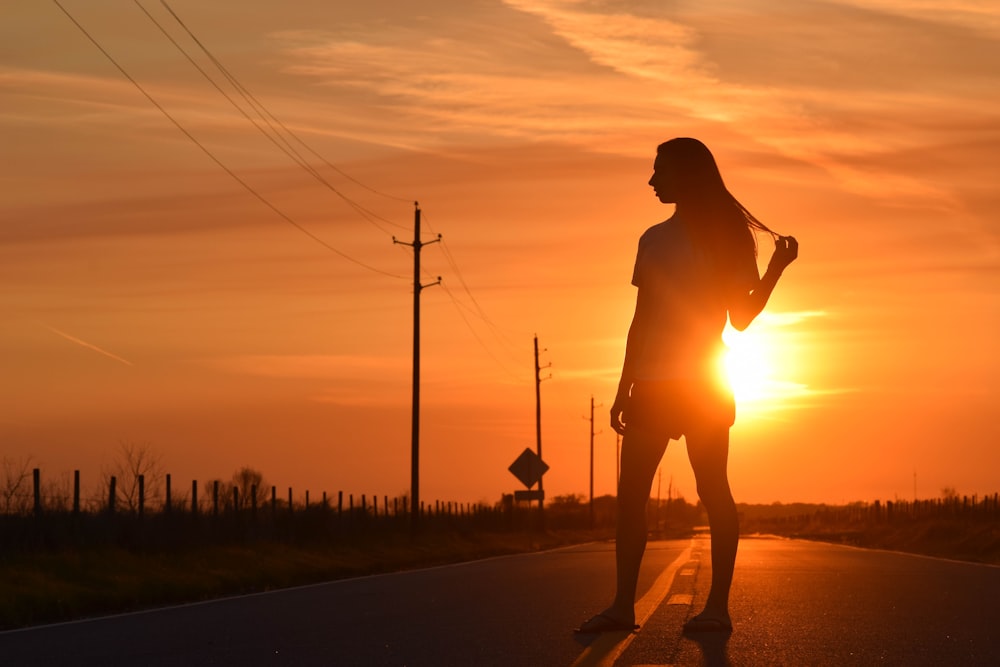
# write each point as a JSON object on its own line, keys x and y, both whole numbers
{"x": 668, "y": 409}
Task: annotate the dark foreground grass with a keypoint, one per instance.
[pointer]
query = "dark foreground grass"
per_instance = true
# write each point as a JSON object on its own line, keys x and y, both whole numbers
{"x": 51, "y": 586}
{"x": 47, "y": 586}
{"x": 977, "y": 542}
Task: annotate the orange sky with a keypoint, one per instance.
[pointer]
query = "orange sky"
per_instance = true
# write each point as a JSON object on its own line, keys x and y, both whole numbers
{"x": 147, "y": 297}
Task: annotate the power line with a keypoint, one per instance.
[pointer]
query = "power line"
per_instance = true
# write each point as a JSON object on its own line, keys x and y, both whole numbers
{"x": 478, "y": 309}
{"x": 212, "y": 156}
{"x": 482, "y": 343}
{"x": 264, "y": 114}
{"x": 267, "y": 117}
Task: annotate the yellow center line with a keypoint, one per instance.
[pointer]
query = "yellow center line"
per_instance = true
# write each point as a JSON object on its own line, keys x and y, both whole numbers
{"x": 608, "y": 646}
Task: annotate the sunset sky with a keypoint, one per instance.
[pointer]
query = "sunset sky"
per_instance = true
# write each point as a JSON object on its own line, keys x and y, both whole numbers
{"x": 262, "y": 315}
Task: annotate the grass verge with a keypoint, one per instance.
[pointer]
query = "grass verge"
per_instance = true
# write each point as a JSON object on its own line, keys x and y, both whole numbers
{"x": 974, "y": 542}
{"x": 52, "y": 586}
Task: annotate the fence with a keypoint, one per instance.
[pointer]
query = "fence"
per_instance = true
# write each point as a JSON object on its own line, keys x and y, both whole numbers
{"x": 33, "y": 519}
{"x": 127, "y": 514}
{"x": 890, "y": 513}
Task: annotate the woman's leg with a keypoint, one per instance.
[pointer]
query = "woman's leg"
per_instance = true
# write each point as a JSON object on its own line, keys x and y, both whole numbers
{"x": 641, "y": 455}
{"x": 708, "y": 451}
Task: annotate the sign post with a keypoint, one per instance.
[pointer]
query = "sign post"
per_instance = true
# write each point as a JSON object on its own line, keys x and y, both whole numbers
{"x": 529, "y": 468}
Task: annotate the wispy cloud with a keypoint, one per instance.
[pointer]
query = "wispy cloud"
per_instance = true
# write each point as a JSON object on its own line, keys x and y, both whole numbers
{"x": 608, "y": 76}
{"x": 89, "y": 346}
{"x": 310, "y": 366}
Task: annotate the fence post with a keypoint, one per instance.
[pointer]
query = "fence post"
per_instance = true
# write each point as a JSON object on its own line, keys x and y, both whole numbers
{"x": 166, "y": 500}
{"x": 236, "y": 499}
{"x": 340, "y": 503}
{"x": 274, "y": 501}
{"x": 194, "y": 497}
{"x": 307, "y": 498}
{"x": 142, "y": 494}
{"x": 215, "y": 497}
{"x": 253, "y": 503}
{"x": 36, "y": 475}
{"x": 290, "y": 508}
{"x": 76, "y": 492}
{"x": 111, "y": 494}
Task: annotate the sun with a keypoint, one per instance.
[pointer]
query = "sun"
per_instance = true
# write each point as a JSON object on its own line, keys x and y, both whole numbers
{"x": 749, "y": 364}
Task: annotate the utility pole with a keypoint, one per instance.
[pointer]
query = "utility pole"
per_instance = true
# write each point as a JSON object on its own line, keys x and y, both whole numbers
{"x": 415, "y": 423}
{"x": 538, "y": 411}
{"x": 592, "y": 461}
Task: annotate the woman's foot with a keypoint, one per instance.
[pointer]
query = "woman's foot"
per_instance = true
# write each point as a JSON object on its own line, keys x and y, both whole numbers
{"x": 607, "y": 621}
{"x": 706, "y": 622}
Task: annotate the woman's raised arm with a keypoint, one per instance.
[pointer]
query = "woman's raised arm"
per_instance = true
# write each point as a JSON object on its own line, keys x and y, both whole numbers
{"x": 746, "y": 307}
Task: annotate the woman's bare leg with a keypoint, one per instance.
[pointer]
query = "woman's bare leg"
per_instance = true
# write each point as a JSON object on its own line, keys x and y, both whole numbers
{"x": 640, "y": 457}
{"x": 708, "y": 452}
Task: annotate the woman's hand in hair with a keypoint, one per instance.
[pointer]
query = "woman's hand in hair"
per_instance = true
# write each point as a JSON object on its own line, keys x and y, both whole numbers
{"x": 786, "y": 249}
{"x": 745, "y": 307}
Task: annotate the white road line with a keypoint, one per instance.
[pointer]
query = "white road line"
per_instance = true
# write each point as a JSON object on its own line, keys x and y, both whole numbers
{"x": 606, "y": 648}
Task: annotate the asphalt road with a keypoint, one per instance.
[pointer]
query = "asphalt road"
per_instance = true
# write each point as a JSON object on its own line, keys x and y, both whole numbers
{"x": 793, "y": 603}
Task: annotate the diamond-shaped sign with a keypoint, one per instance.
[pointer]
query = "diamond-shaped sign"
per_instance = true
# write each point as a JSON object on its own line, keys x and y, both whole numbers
{"x": 528, "y": 467}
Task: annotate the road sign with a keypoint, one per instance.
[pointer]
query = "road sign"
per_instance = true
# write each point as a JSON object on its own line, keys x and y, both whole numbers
{"x": 529, "y": 494}
{"x": 528, "y": 467}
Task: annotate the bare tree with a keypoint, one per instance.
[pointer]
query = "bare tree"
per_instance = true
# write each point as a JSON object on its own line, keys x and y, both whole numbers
{"x": 248, "y": 480}
{"x": 57, "y": 494}
{"x": 132, "y": 460}
{"x": 14, "y": 490}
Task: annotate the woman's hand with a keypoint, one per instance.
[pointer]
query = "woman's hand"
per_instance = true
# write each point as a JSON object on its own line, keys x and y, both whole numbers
{"x": 618, "y": 413}
{"x": 786, "y": 249}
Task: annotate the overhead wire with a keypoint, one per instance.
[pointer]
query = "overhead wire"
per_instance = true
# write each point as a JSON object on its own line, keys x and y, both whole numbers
{"x": 482, "y": 343}
{"x": 282, "y": 144}
{"x": 475, "y": 310}
{"x": 212, "y": 156}
{"x": 478, "y": 309}
{"x": 268, "y": 118}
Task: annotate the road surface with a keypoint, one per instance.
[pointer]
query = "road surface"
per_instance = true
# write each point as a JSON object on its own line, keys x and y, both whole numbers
{"x": 793, "y": 603}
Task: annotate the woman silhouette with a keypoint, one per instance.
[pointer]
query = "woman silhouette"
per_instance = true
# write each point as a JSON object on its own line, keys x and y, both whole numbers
{"x": 690, "y": 271}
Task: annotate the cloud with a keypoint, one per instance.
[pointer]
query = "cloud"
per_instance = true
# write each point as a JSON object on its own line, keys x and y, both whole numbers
{"x": 974, "y": 15}
{"x": 309, "y": 366}
{"x": 607, "y": 77}
{"x": 784, "y": 319}
{"x": 808, "y": 95}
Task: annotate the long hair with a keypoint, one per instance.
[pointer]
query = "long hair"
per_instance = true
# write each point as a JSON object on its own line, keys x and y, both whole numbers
{"x": 721, "y": 221}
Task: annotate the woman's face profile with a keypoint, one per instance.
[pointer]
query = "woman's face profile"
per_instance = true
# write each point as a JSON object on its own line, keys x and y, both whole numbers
{"x": 663, "y": 180}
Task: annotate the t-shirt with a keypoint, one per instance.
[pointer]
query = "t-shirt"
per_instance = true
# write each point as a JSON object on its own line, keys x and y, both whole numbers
{"x": 685, "y": 295}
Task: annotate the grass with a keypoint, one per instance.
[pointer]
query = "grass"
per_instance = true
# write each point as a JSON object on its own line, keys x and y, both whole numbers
{"x": 40, "y": 585}
{"x": 50, "y": 586}
{"x": 977, "y": 542}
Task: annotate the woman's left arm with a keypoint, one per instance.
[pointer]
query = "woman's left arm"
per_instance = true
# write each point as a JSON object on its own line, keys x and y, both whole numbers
{"x": 745, "y": 307}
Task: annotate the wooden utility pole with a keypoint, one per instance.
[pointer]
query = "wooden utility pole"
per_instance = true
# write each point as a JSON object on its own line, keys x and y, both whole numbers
{"x": 592, "y": 461}
{"x": 415, "y": 420}
{"x": 538, "y": 412}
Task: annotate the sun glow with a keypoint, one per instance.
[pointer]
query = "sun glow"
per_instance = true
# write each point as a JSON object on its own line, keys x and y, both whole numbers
{"x": 749, "y": 364}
